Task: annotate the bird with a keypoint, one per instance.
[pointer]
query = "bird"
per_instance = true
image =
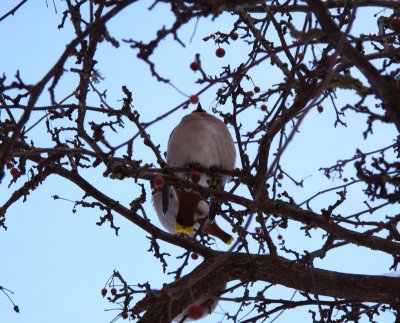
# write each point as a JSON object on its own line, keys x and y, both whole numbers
{"x": 199, "y": 139}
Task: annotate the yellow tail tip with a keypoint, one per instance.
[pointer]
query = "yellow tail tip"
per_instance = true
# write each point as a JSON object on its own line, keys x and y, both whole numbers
{"x": 183, "y": 229}
{"x": 230, "y": 241}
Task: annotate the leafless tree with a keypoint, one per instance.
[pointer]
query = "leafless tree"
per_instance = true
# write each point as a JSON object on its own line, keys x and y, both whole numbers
{"x": 320, "y": 62}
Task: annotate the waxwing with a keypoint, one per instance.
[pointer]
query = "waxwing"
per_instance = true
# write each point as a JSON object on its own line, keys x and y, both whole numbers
{"x": 199, "y": 139}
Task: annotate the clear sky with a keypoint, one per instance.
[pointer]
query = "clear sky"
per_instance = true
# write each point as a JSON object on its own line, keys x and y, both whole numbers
{"x": 57, "y": 261}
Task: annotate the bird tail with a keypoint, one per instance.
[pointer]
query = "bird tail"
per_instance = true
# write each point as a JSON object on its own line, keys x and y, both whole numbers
{"x": 212, "y": 228}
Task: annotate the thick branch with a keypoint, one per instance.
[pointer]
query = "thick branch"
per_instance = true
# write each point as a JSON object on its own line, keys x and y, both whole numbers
{"x": 271, "y": 269}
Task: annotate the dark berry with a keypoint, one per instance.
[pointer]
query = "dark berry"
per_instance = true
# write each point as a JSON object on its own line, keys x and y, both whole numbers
{"x": 220, "y": 52}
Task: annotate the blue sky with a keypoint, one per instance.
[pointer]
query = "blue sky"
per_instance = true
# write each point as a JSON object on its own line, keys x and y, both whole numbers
{"x": 56, "y": 261}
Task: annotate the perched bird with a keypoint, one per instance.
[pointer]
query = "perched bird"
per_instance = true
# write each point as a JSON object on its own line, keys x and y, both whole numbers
{"x": 199, "y": 139}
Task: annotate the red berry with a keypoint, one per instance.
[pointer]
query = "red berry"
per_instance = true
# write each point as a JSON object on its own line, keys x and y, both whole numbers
{"x": 250, "y": 135}
{"x": 234, "y": 35}
{"x": 220, "y": 91}
{"x": 257, "y": 89}
{"x": 301, "y": 56}
{"x": 250, "y": 93}
{"x": 280, "y": 176}
{"x": 258, "y": 230}
{"x": 320, "y": 108}
{"x": 194, "y": 256}
{"x": 14, "y": 172}
{"x": 195, "y": 312}
{"x": 113, "y": 291}
{"x": 158, "y": 181}
{"x": 9, "y": 166}
{"x": 234, "y": 230}
{"x": 280, "y": 237}
{"x": 263, "y": 107}
{"x": 195, "y": 66}
{"x": 124, "y": 315}
{"x": 220, "y": 52}
{"x": 195, "y": 176}
{"x": 394, "y": 24}
{"x": 194, "y": 99}
{"x": 104, "y": 292}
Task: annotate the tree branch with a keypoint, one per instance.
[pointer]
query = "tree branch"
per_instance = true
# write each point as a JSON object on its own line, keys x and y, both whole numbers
{"x": 385, "y": 87}
{"x": 173, "y": 298}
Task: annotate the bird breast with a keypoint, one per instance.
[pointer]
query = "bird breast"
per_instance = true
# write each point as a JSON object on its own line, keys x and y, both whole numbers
{"x": 168, "y": 219}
